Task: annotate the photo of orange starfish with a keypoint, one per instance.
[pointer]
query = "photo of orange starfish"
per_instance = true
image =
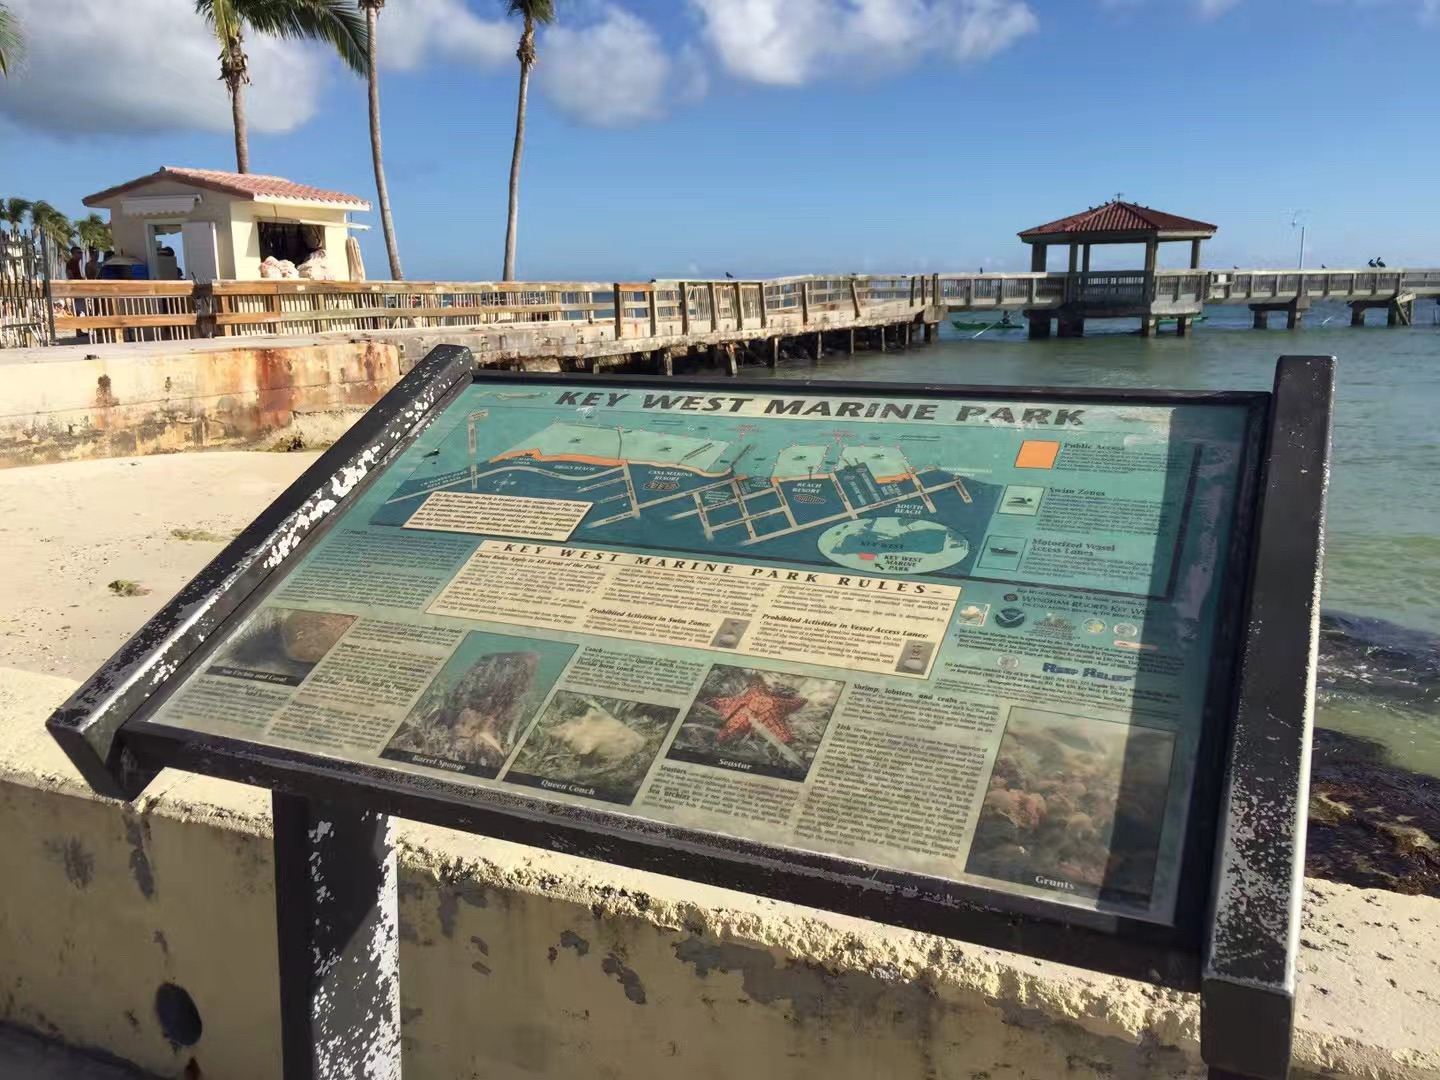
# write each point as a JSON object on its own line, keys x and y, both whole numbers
{"x": 757, "y": 705}
{"x": 768, "y": 723}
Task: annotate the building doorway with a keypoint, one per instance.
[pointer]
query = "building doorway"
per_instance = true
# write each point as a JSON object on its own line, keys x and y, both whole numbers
{"x": 162, "y": 253}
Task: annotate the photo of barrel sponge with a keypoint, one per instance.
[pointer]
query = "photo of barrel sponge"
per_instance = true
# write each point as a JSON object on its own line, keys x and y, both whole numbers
{"x": 477, "y": 708}
{"x": 284, "y": 642}
{"x": 751, "y": 720}
{"x": 1075, "y": 804}
{"x": 599, "y": 747}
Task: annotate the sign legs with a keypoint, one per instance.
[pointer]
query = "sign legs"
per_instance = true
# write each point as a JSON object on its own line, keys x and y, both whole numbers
{"x": 337, "y": 921}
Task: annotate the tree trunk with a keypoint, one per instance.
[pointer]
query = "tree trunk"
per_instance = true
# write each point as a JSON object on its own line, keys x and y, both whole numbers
{"x": 382, "y": 193}
{"x": 526, "y": 55}
{"x": 237, "y": 113}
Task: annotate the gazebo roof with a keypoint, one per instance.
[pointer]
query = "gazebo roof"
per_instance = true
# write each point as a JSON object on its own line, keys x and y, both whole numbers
{"x": 1119, "y": 222}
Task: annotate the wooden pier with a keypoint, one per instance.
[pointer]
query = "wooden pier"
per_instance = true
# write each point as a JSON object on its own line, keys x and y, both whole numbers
{"x": 581, "y": 325}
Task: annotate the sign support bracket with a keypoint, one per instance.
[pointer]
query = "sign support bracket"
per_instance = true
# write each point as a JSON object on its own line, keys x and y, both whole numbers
{"x": 337, "y": 926}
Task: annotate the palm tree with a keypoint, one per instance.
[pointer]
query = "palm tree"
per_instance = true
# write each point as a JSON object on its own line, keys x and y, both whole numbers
{"x": 13, "y": 211}
{"x": 333, "y": 21}
{"x": 45, "y": 218}
{"x": 532, "y": 11}
{"x": 11, "y": 46}
{"x": 382, "y": 193}
{"x": 94, "y": 233}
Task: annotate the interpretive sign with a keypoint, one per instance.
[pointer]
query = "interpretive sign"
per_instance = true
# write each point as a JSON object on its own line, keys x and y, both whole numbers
{"x": 967, "y": 638}
{"x": 964, "y": 660}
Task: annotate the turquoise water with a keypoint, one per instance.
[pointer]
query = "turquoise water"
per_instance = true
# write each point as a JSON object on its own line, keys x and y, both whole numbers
{"x": 1383, "y": 536}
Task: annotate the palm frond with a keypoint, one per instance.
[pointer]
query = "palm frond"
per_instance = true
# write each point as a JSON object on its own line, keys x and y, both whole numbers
{"x": 11, "y": 44}
{"x": 337, "y": 22}
{"x": 540, "y": 11}
{"x": 14, "y": 210}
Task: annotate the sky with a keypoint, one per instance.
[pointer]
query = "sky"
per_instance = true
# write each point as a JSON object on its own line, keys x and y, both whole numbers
{"x": 687, "y": 138}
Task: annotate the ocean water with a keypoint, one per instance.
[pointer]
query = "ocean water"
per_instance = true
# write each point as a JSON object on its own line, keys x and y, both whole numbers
{"x": 1381, "y": 678}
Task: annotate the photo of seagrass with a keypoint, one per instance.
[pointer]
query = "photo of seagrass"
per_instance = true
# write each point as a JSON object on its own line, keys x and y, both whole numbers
{"x": 470, "y": 718}
{"x": 280, "y": 645}
{"x": 750, "y": 720}
{"x": 1076, "y": 805}
{"x": 598, "y": 747}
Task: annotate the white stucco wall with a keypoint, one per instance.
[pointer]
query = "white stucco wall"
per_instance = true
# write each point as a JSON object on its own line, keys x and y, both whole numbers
{"x": 246, "y": 237}
{"x": 237, "y": 240}
{"x": 131, "y": 236}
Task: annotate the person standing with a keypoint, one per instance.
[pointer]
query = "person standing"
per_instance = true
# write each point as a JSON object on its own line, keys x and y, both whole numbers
{"x": 75, "y": 265}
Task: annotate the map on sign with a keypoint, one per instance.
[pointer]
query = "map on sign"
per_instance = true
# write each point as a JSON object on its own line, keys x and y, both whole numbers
{"x": 958, "y": 637}
{"x": 728, "y": 486}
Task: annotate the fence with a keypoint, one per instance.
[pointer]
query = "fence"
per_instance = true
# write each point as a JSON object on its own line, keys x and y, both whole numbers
{"x": 27, "y": 312}
{"x": 580, "y": 311}
{"x": 555, "y": 314}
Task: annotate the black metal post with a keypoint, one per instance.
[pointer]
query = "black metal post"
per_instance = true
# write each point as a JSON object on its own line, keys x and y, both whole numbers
{"x": 1247, "y": 992}
{"x": 49, "y": 296}
{"x": 336, "y": 914}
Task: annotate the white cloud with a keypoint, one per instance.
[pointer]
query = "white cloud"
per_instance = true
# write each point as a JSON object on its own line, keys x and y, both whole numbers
{"x": 608, "y": 73}
{"x": 791, "y": 42}
{"x": 411, "y": 31}
{"x": 148, "y": 66}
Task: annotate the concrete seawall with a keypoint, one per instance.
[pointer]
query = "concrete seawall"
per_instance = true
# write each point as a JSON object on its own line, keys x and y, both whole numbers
{"x": 114, "y": 400}
{"x": 516, "y": 963}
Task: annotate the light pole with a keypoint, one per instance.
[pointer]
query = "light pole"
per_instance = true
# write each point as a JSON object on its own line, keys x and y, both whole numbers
{"x": 1295, "y": 222}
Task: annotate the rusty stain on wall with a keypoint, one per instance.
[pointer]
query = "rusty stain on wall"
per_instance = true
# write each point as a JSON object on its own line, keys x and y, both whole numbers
{"x": 155, "y": 403}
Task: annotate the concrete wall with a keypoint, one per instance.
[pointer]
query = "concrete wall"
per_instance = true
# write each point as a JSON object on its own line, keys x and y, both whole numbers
{"x": 64, "y": 403}
{"x": 519, "y": 964}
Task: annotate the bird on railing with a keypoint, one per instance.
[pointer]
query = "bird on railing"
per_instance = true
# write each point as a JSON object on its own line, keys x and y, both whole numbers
{"x": 1380, "y": 263}
{"x": 1371, "y": 264}
{"x": 728, "y": 274}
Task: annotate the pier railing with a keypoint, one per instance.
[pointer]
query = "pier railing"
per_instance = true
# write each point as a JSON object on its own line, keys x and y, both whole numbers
{"x": 1259, "y": 286}
{"x": 587, "y": 313}
{"x": 580, "y": 312}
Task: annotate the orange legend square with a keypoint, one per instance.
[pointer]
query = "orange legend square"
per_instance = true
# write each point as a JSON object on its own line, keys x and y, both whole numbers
{"x": 1037, "y": 454}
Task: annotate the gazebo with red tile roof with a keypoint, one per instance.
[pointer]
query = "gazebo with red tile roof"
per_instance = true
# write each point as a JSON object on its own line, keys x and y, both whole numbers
{"x": 1102, "y": 296}
{"x": 1116, "y": 222}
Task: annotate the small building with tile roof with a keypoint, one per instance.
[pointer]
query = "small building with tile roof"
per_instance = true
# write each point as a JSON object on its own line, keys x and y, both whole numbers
{"x": 206, "y": 224}
{"x": 1116, "y": 222}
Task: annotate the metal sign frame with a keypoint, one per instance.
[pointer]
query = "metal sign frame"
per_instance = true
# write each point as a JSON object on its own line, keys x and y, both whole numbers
{"x": 1237, "y": 920}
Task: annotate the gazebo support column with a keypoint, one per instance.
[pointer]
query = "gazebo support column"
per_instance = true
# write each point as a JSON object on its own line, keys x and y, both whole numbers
{"x": 1087, "y": 258}
{"x": 1038, "y": 256}
{"x": 1195, "y": 253}
{"x": 1074, "y": 257}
